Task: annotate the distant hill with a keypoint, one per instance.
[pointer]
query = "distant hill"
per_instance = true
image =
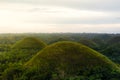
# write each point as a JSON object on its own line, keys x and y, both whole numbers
{"x": 29, "y": 43}
{"x": 89, "y": 43}
{"x": 70, "y": 58}
{"x": 113, "y": 52}
{"x": 24, "y": 50}
{"x": 114, "y": 40}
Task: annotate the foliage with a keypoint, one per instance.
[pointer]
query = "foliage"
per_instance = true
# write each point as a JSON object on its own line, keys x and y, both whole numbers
{"x": 59, "y": 66}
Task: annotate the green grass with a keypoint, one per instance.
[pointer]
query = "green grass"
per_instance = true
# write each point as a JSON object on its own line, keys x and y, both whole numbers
{"x": 29, "y": 43}
{"x": 69, "y": 57}
{"x": 89, "y": 43}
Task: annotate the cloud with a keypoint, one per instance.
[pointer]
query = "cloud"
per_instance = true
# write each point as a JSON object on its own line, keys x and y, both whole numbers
{"x": 26, "y": 13}
{"x": 59, "y": 16}
{"x": 103, "y": 5}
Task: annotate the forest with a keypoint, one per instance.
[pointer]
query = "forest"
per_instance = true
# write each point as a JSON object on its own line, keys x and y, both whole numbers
{"x": 60, "y": 56}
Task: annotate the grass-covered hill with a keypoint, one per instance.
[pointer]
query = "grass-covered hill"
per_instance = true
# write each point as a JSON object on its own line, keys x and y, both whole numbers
{"x": 89, "y": 43}
{"x": 114, "y": 40}
{"x": 23, "y": 50}
{"x": 29, "y": 43}
{"x": 113, "y": 52}
{"x": 20, "y": 53}
{"x": 61, "y": 39}
{"x": 66, "y": 58}
{"x": 112, "y": 49}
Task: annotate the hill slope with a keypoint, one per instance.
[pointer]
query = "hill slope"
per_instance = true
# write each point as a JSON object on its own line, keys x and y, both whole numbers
{"x": 113, "y": 52}
{"x": 89, "y": 43}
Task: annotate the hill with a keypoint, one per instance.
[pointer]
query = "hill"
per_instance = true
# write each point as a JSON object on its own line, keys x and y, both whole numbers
{"x": 70, "y": 58}
{"x": 29, "y": 43}
{"x": 114, "y": 40}
{"x": 89, "y": 43}
{"x": 113, "y": 52}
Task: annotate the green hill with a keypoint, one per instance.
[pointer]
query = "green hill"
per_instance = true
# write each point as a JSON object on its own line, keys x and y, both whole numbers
{"x": 29, "y": 43}
{"x": 114, "y": 40}
{"x": 70, "y": 58}
{"x": 24, "y": 50}
{"x": 61, "y": 39}
{"x": 113, "y": 52}
{"x": 89, "y": 43}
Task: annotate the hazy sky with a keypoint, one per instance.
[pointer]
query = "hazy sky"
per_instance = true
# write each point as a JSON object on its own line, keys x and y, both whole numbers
{"x": 17, "y": 16}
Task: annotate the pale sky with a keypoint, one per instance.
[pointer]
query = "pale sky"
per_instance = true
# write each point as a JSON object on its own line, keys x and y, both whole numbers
{"x": 44, "y": 16}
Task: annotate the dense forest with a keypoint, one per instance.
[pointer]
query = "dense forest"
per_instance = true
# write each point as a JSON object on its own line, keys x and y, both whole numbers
{"x": 59, "y": 56}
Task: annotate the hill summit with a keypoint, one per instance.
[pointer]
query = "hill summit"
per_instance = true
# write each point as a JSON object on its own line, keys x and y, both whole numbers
{"x": 29, "y": 43}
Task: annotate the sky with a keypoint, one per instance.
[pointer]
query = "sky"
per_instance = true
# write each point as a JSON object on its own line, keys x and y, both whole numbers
{"x": 49, "y": 16}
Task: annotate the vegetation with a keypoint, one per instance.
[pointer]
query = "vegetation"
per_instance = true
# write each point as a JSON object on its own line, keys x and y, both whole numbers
{"x": 89, "y": 43}
{"x": 29, "y": 43}
{"x": 68, "y": 58}
{"x": 27, "y": 57}
{"x": 20, "y": 53}
{"x": 113, "y": 52}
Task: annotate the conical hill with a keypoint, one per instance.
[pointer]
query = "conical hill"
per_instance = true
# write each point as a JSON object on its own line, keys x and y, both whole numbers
{"x": 29, "y": 43}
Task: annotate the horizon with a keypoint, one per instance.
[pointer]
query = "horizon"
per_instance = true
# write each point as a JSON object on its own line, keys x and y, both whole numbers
{"x": 56, "y": 33}
{"x": 59, "y": 16}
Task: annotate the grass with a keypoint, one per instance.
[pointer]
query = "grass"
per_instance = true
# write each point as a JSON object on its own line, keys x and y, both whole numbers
{"x": 29, "y": 43}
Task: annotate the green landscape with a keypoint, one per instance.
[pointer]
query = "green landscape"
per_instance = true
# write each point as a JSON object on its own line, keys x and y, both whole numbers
{"x": 59, "y": 39}
{"x": 60, "y": 56}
